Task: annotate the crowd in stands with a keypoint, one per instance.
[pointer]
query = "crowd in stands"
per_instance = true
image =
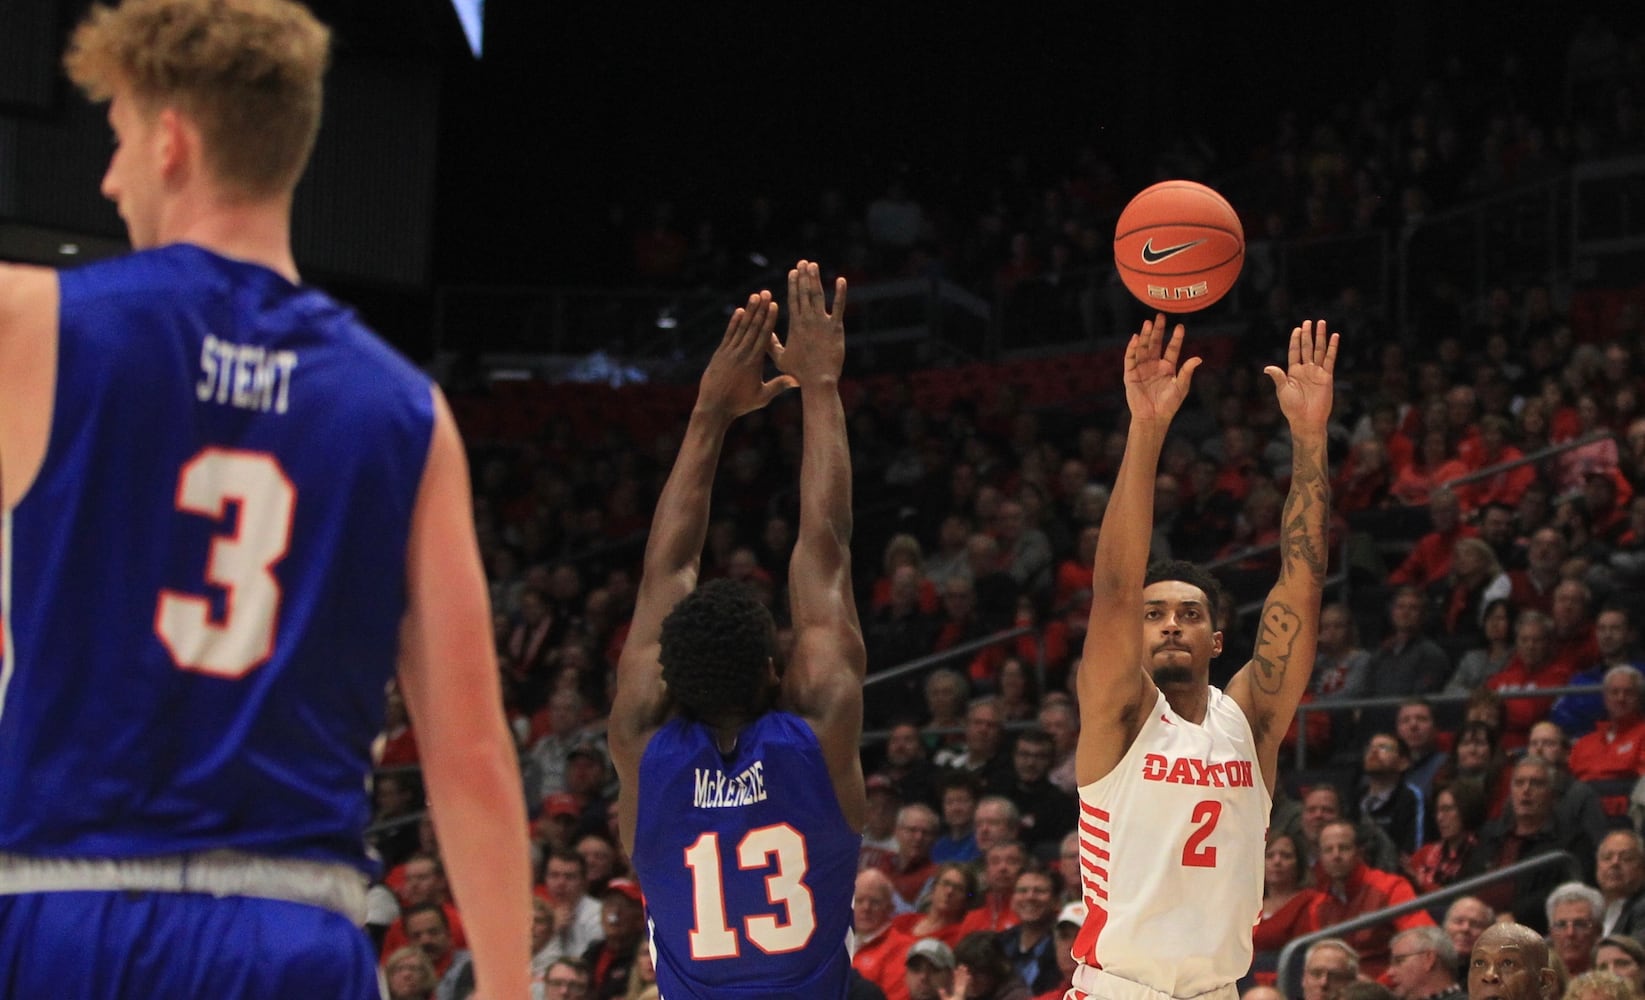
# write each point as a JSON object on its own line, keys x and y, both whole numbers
{"x": 1455, "y": 572}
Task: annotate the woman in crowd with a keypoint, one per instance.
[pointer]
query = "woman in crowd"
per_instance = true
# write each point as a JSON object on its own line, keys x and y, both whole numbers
{"x": 952, "y": 889}
{"x": 1623, "y": 956}
{"x": 410, "y": 974}
{"x": 945, "y": 695}
{"x": 1288, "y": 902}
{"x": 1478, "y": 758}
{"x": 1019, "y": 701}
{"x": 1481, "y": 663}
{"x": 1476, "y": 579}
{"x": 1599, "y": 986}
{"x": 1459, "y": 812}
{"x": 903, "y": 550}
{"x": 642, "y": 977}
{"x": 1433, "y": 466}
{"x": 546, "y": 946}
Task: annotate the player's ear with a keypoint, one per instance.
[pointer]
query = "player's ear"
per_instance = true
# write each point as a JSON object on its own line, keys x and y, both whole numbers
{"x": 1548, "y": 986}
{"x": 1216, "y": 644}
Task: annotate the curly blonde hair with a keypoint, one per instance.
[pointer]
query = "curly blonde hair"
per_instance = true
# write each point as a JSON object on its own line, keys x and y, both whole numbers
{"x": 246, "y": 72}
{"x": 1599, "y": 986}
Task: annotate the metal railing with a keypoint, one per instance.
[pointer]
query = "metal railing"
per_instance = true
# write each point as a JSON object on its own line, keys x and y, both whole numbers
{"x": 1540, "y": 455}
{"x": 1392, "y": 700}
{"x": 1288, "y": 954}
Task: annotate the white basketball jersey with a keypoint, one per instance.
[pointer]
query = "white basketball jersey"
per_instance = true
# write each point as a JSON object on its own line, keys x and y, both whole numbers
{"x": 1171, "y": 848}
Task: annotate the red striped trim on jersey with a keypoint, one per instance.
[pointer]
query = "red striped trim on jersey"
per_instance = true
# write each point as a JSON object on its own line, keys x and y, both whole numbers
{"x": 1094, "y": 840}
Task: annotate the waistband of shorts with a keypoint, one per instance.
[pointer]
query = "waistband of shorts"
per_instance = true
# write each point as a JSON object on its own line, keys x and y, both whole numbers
{"x": 336, "y": 887}
{"x": 1099, "y": 984}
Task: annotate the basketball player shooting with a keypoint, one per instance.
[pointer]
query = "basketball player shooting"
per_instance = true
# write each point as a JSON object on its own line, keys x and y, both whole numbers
{"x": 742, "y": 794}
{"x": 1175, "y": 777}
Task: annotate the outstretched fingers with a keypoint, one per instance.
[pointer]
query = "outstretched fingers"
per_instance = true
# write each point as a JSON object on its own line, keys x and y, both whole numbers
{"x": 839, "y": 298}
{"x": 1330, "y": 361}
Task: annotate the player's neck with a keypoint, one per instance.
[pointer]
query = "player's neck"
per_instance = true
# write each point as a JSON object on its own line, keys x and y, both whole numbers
{"x": 253, "y": 231}
{"x": 1189, "y": 701}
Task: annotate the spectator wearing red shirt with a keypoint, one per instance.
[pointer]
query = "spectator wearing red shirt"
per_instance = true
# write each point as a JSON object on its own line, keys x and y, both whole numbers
{"x": 1003, "y": 862}
{"x": 1430, "y": 560}
{"x": 1574, "y": 623}
{"x": 1288, "y": 903}
{"x": 1616, "y": 747}
{"x": 881, "y": 949}
{"x": 1072, "y": 591}
{"x": 903, "y": 550}
{"x": 1532, "y": 666}
{"x": 910, "y": 867}
{"x": 1507, "y": 486}
{"x": 1364, "y": 480}
{"x": 623, "y": 914}
{"x": 425, "y": 884}
{"x": 1417, "y": 482}
{"x": 1352, "y": 888}
{"x": 1532, "y": 588}
{"x": 944, "y": 919}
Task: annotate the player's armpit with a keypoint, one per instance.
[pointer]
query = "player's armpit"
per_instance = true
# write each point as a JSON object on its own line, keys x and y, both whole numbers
{"x": 448, "y": 672}
{"x": 28, "y": 374}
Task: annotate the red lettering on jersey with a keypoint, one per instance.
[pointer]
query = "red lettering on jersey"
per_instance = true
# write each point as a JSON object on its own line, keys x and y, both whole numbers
{"x": 1153, "y": 767}
{"x": 1190, "y": 771}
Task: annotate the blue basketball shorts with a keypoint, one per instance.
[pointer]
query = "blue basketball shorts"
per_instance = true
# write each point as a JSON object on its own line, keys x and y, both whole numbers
{"x": 105, "y": 945}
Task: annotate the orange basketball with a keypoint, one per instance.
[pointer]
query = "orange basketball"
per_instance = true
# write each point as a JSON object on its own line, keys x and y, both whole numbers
{"x": 1179, "y": 246}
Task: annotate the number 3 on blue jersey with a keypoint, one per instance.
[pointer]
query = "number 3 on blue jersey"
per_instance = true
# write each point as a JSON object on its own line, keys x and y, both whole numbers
{"x": 711, "y": 938}
{"x": 242, "y": 563}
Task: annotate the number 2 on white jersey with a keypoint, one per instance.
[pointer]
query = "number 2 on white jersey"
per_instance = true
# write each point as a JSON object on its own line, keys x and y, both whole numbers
{"x": 1195, "y": 853}
{"x": 710, "y": 937}
{"x": 241, "y": 563}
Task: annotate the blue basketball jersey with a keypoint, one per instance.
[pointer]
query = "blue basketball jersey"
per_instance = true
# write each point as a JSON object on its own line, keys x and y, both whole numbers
{"x": 747, "y": 863}
{"x": 201, "y": 592}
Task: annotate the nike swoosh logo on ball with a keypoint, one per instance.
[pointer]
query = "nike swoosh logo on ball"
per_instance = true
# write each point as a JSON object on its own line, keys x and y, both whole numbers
{"x": 1152, "y": 256}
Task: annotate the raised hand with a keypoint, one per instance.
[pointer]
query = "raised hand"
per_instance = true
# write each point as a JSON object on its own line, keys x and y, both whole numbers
{"x": 1305, "y": 387}
{"x": 733, "y": 383}
{"x": 816, "y": 338}
{"x": 1155, "y": 385}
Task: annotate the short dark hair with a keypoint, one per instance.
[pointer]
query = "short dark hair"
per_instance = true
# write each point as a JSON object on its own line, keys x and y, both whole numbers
{"x": 566, "y": 855}
{"x": 1192, "y": 574}
{"x": 981, "y": 952}
{"x": 434, "y": 908}
{"x": 1036, "y": 736}
{"x": 716, "y": 647}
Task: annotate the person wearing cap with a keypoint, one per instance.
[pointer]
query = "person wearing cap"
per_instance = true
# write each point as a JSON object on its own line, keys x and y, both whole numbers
{"x": 556, "y": 825}
{"x": 1069, "y": 920}
{"x": 622, "y": 911}
{"x": 742, "y": 798}
{"x": 879, "y": 832}
{"x": 928, "y": 970}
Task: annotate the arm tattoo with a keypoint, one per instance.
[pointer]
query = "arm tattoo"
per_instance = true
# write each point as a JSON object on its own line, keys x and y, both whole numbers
{"x": 1302, "y": 533}
{"x": 1276, "y": 638}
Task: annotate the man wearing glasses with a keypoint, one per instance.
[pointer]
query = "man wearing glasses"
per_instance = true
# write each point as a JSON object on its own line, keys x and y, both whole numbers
{"x": 567, "y": 979}
{"x": 1328, "y": 966}
{"x": 1575, "y": 912}
{"x": 1422, "y": 966}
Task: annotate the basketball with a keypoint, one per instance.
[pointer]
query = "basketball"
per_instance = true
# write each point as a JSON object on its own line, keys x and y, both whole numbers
{"x": 1179, "y": 246}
